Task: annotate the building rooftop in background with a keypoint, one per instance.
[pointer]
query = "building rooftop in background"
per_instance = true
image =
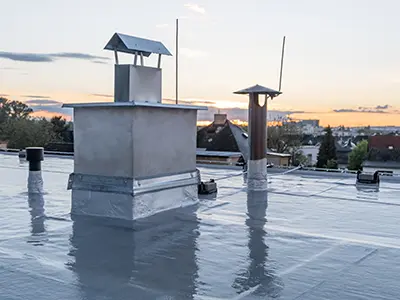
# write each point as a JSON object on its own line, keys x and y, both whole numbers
{"x": 223, "y": 135}
{"x": 384, "y": 142}
{"x": 383, "y": 154}
{"x": 313, "y": 236}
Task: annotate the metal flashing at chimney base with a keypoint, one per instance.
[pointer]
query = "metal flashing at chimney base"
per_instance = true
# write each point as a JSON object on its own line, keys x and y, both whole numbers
{"x": 257, "y": 175}
{"x": 131, "y": 199}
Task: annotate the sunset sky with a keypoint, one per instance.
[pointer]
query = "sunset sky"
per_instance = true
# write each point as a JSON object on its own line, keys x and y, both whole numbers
{"x": 342, "y": 62}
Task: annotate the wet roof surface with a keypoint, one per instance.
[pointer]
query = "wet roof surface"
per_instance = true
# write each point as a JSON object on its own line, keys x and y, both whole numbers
{"x": 317, "y": 237}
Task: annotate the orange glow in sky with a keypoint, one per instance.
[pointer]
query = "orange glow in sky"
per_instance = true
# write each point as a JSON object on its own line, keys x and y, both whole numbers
{"x": 390, "y": 117}
{"x": 352, "y": 119}
{"x": 49, "y": 115}
{"x": 325, "y": 67}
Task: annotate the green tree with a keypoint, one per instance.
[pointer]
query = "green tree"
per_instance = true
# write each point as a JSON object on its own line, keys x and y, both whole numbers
{"x": 22, "y": 133}
{"x": 3, "y": 110}
{"x": 357, "y": 155}
{"x": 60, "y": 127}
{"x": 285, "y": 138}
{"x": 13, "y": 110}
{"x": 331, "y": 164}
{"x": 327, "y": 151}
{"x": 299, "y": 159}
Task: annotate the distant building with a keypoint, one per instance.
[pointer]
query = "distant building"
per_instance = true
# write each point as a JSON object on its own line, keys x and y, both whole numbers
{"x": 310, "y": 148}
{"x": 384, "y": 142}
{"x": 224, "y": 136}
{"x": 310, "y": 127}
{"x": 342, "y": 131}
{"x": 311, "y": 140}
{"x": 311, "y": 152}
{"x": 314, "y": 123}
{"x": 343, "y": 149}
{"x": 383, "y": 154}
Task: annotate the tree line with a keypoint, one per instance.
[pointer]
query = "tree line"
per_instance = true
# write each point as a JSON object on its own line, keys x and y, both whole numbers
{"x": 20, "y": 129}
{"x": 287, "y": 138}
{"x": 327, "y": 157}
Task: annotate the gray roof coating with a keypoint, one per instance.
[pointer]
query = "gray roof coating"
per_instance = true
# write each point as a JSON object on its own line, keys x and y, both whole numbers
{"x": 133, "y": 104}
{"x": 218, "y": 153}
{"x": 131, "y": 44}
{"x": 381, "y": 164}
{"x": 313, "y": 236}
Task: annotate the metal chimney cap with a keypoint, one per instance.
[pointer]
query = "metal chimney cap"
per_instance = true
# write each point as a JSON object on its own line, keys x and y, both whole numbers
{"x": 259, "y": 89}
{"x": 131, "y": 44}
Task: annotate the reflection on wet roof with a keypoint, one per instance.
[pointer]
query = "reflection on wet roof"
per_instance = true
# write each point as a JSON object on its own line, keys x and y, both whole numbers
{"x": 313, "y": 236}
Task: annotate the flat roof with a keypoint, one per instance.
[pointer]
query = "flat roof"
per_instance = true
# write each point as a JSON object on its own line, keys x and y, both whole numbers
{"x": 382, "y": 164}
{"x": 218, "y": 153}
{"x": 314, "y": 235}
{"x": 278, "y": 154}
{"x": 132, "y": 104}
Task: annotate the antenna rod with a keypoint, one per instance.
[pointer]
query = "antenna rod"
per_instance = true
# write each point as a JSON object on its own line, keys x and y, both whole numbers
{"x": 283, "y": 54}
{"x": 176, "y": 63}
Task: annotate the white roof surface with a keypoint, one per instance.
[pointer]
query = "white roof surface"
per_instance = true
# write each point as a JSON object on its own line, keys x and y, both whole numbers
{"x": 313, "y": 236}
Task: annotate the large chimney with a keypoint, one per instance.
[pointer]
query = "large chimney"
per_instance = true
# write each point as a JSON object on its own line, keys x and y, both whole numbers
{"x": 220, "y": 119}
{"x": 257, "y": 164}
{"x": 149, "y": 166}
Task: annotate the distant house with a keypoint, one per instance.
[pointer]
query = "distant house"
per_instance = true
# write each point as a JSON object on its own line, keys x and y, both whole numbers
{"x": 383, "y": 154}
{"x": 278, "y": 159}
{"x": 343, "y": 149}
{"x": 359, "y": 138}
{"x": 224, "y": 136}
{"x": 310, "y": 148}
{"x": 311, "y": 140}
{"x": 311, "y": 152}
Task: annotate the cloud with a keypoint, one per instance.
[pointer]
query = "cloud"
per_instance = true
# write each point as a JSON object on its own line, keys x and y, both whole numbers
{"x": 99, "y": 62}
{"x": 50, "y": 57}
{"x": 35, "y": 96}
{"x": 345, "y": 110}
{"x": 102, "y": 95}
{"x": 196, "y": 8}
{"x": 198, "y": 102}
{"x": 238, "y": 114}
{"x": 26, "y": 57}
{"x": 8, "y": 68}
{"x": 48, "y": 106}
{"x": 4, "y": 95}
{"x": 374, "y": 110}
{"x": 42, "y": 102}
{"x": 386, "y": 106}
{"x": 299, "y": 112}
{"x": 192, "y": 53}
{"x": 78, "y": 56}
{"x": 162, "y": 25}
{"x": 234, "y": 113}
